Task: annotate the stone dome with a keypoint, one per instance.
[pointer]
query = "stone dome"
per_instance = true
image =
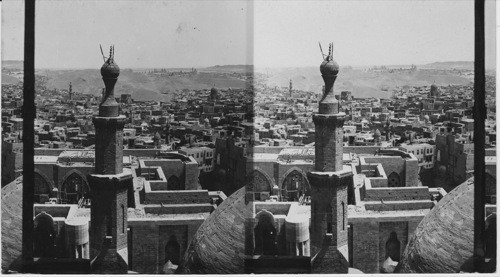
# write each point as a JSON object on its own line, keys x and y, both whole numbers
{"x": 443, "y": 241}
{"x": 12, "y": 200}
{"x": 218, "y": 247}
{"x": 214, "y": 93}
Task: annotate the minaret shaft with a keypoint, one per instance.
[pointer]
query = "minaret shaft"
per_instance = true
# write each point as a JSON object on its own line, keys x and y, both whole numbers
{"x": 110, "y": 184}
{"x": 329, "y": 181}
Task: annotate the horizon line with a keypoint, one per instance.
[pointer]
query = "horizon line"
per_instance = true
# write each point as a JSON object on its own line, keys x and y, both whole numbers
{"x": 242, "y": 65}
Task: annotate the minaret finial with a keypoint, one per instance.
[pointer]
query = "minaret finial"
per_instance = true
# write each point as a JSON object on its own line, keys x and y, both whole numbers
{"x": 329, "y": 69}
{"x": 111, "y": 53}
{"x": 330, "y": 50}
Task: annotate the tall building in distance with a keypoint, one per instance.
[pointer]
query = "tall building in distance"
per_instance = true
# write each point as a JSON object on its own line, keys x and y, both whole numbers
{"x": 70, "y": 92}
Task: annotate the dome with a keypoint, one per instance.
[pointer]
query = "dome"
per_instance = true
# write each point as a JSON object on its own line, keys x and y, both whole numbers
{"x": 110, "y": 69}
{"x": 329, "y": 67}
{"x": 214, "y": 93}
{"x": 218, "y": 247}
{"x": 12, "y": 200}
{"x": 434, "y": 86}
{"x": 443, "y": 241}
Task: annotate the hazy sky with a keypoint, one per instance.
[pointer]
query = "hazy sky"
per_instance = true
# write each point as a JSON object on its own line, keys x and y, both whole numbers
{"x": 267, "y": 34}
{"x": 145, "y": 33}
{"x": 368, "y": 32}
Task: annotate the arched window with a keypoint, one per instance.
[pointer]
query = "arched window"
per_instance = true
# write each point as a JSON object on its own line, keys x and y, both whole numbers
{"x": 74, "y": 188}
{"x": 44, "y": 236}
{"x": 329, "y": 219}
{"x": 123, "y": 219}
{"x": 265, "y": 236}
{"x": 294, "y": 186}
{"x": 172, "y": 251}
{"x": 42, "y": 189}
{"x": 394, "y": 180}
{"x": 343, "y": 216}
{"x": 173, "y": 183}
{"x": 258, "y": 181}
{"x": 393, "y": 247}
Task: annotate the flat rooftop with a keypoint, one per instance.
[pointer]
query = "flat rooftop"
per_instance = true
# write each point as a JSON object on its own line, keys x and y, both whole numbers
{"x": 45, "y": 159}
{"x": 360, "y": 214}
{"x": 85, "y": 154}
{"x": 264, "y": 157}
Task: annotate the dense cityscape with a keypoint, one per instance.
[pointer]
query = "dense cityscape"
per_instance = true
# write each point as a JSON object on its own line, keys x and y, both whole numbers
{"x": 223, "y": 145}
{"x": 212, "y": 142}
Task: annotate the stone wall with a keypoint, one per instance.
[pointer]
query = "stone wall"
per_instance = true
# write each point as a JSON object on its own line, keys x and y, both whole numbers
{"x": 179, "y": 208}
{"x": 169, "y": 167}
{"x": 407, "y": 169}
{"x": 176, "y": 197}
{"x": 412, "y": 170}
{"x": 120, "y": 224}
{"x": 62, "y": 172}
{"x": 369, "y": 240}
{"x": 12, "y": 161}
{"x": 385, "y": 229}
{"x": 191, "y": 176}
{"x": 361, "y": 149}
{"x": 165, "y": 232}
{"x": 395, "y": 194}
{"x": 126, "y": 152}
{"x": 48, "y": 173}
{"x": 398, "y": 205}
{"x": 365, "y": 248}
{"x": 284, "y": 169}
{"x": 266, "y": 168}
{"x": 187, "y": 172}
{"x": 145, "y": 248}
{"x": 276, "y": 208}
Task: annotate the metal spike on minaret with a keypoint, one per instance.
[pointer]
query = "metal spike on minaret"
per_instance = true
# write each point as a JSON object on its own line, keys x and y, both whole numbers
{"x": 330, "y": 50}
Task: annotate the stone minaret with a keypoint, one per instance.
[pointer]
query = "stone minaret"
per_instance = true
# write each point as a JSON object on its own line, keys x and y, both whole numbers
{"x": 70, "y": 91}
{"x": 290, "y": 89}
{"x": 110, "y": 183}
{"x": 329, "y": 181}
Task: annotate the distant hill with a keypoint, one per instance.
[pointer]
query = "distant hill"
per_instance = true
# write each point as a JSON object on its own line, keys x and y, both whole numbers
{"x": 361, "y": 83}
{"x": 450, "y": 65}
{"x": 141, "y": 86}
{"x": 10, "y": 64}
{"x": 9, "y": 80}
{"x": 239, "y": 68}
